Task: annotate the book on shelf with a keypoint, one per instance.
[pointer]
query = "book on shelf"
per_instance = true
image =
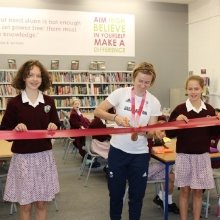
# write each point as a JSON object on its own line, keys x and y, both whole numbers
{"x": 54, "y": 64}
{"x": 130, "y": 65}
{"x": 7, "y": 76}
{"x": 4, "y": 102}
{"x": 12, "y": 64}
{"x": 74, "y": 64}
{"x": 101, "y": 65}
{"x": 93, "y": 65}
{"x": 7, "y": 90}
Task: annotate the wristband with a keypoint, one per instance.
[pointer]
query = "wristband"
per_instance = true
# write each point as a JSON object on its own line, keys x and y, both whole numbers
{"x": 115, "y": 117}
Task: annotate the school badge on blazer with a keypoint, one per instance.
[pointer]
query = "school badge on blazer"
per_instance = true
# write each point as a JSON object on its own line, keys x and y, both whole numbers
{"x": 47, "y": 108}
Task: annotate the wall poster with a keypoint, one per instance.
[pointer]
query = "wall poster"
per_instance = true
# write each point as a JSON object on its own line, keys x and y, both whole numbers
{"x": 59, "y": 32}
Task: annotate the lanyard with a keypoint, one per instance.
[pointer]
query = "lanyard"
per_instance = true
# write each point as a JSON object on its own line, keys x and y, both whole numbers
{"x": 135, "y": 120}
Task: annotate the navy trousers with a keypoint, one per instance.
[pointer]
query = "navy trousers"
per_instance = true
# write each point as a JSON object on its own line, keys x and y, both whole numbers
{"x": 123, "y": 168}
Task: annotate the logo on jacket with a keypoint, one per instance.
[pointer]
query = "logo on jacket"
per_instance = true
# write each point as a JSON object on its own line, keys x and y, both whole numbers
{"x": 111, "y": 174}
{"x": 144, "y": 175}
{"x": 47, "y": 108}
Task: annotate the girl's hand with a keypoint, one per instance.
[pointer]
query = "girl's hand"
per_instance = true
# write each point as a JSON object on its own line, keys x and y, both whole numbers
{"x": 182, "y": 118}
{"x": 20, "y": 127}
{"x": 51, "y": 126}
{"x": 160, "y": 134}
{"x": 218, "y": 115}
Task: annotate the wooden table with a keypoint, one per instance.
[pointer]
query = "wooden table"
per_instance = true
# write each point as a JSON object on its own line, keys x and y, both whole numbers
{"x": 168, "y": 159}
{"x": 5, "y": 149}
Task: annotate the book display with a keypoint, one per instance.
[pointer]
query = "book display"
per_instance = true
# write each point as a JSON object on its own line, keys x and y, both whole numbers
{"x": 101, "y": 65}
{"x": 74, "y": 64}
{"x": 6, "y": 90}
{"x": 130, "y": 65}
{"x": 97, "y": 65}
{"x": 54, "y": 64}
{"x": 93, "y": 65}
{"x": 12, "y": 64}
{"x": 90, "y": 86}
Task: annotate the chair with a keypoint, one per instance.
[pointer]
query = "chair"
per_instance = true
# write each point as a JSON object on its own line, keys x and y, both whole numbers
{"x": 89, "y": 152}
{"x": 100, "y": 148}
{"x": 158, "y": 186}
{"x": 4, "y": 165}
{"x": 68, "y": 142}
{"x": 3, "y": 177}
{"x": 216, "y": 176}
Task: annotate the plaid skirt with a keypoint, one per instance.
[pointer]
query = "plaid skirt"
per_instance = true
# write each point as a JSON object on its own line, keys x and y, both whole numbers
{"x": 32, "y": 177}
{"x": 194, "y": 170}
{"x": 156, "y": 170}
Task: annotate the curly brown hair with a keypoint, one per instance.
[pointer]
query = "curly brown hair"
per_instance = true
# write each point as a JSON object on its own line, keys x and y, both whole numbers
{"x": 24, "y": 71}
{"x": 146, "y": 68}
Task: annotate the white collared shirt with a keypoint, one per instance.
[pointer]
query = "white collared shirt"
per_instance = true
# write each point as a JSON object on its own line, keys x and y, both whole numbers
{"x": 190, "y": 107}
{"x": 25, "y": 98}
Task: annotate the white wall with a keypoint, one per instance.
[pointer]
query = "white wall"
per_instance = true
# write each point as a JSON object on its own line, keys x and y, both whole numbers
{"x": 161, "y": 37}
{"x": 204, "y": 43}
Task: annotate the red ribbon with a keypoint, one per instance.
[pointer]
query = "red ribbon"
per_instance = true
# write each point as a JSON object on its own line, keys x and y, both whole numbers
{"x": 39, "y": 134}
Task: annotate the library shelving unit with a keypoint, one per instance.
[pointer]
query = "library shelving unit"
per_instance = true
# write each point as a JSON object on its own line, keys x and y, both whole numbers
{"x": 6, "y": 90}
{"x": 90, "y": 86}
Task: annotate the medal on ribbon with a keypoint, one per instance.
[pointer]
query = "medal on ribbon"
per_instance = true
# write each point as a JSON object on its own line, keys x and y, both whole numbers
{"x": 134, "y": 136}
{"x": 135, "y": 120}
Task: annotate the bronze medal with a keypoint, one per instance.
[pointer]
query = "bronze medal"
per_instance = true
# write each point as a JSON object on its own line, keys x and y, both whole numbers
{"x": 134, "y": 136}
{"x": 135, "y": 120}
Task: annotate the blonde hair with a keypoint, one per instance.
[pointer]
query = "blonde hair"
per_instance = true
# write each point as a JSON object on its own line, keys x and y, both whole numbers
{"x": 146, "y": 68}
{"x": 76, "y": 100}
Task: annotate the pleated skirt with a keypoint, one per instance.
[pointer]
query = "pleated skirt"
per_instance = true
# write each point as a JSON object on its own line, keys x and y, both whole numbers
{"x": 32, "y": 177}
{"x": 194, "y": 170}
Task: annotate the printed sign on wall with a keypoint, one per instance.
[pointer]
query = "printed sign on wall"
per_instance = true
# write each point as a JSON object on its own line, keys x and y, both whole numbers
{"x": 57, "y": 32}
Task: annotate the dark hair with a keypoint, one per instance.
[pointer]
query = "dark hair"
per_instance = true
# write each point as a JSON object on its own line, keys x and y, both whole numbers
{"x": 24, "y": 71}
{"x": 146, "y": 68}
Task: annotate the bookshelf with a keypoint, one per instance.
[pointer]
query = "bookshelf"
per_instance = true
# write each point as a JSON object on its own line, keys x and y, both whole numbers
{"x": 90, "y": 86}
{"x": 6, "y": 90}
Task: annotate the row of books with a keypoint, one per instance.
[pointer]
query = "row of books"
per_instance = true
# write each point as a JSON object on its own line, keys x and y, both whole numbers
{"x": 7, "y": 90}
{"x": 102, "y": 89}
{"x": 3, "y": 102}
{"x": 111, "y": 77}
{"x": 69, "y": 77}
{"x": 91, "y": 77}
{"x": 86, "y": 102}
{"x": 67, "y": 90}
{"x": 84, "y": 77}
{"x": 6, "y": 76}
{"x": 89, "y": 89}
